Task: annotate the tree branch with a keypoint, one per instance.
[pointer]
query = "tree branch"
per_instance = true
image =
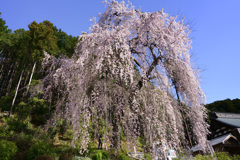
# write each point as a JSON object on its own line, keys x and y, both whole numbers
{"x": 136, "y": 62}
{"x": 135, "y": 51}
{"x": 154, "y": 63}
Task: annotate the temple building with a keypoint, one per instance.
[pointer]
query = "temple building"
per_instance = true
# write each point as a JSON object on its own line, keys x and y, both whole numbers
{"x": 225, "y": 133}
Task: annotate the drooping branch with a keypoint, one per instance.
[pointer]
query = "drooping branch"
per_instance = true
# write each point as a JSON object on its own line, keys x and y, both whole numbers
{"x": 181, "y": 110}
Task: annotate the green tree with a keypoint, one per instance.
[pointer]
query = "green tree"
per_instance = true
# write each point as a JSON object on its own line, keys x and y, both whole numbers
{"x": 227, "y": 105}
{"x": 66, "y": 43}
{"x": 21, "y": 53}
{"x": 4, "y": 31}
{"x": 42, "y": 38}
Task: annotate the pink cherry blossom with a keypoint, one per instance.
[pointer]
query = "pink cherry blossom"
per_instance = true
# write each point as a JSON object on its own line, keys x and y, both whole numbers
{"x": 133, "y": 70}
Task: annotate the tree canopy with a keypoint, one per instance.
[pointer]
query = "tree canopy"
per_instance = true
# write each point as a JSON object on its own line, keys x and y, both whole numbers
{"x": 21, "y": 52}
{"x": 227, "y": 105}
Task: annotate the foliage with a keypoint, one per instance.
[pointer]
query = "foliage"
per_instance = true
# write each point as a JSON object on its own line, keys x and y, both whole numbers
{"x": 100, "y": 155}
{"x": 5, "y": 102}
{"x": 21, "y": 50}
{"x": 4, "y": 131}
{"x": 44, "y": 157}
{"x": 39, "y": 148}
{"x": 66, "y": 156}
{"x": 13, "y": 125}
{"x": 23, "y": 146}
{"x": 84, "y": 158}
{"x": 219, "y": 156}
{"x": 42, "y": 38}
{"x": 16, "y": 125}
{"x": 4, "y": 38}
{"x": 61, "y": 129}
{"x": 23, "y": 109}
{"x": 227, "y": 105}
{"x": 36, "y": 108}
{"x": 7, "y": 149}
{"x": 52, "y": 131}
{"x": 66, "y": 43}
{"x": 68, "y": 134}
{"x": 123, "y": 156}
{"x": 3, "y": 27}
{"x": 39, "y": 111}
{"x": 147, "y": 156}
{"x": 99, "y": 125}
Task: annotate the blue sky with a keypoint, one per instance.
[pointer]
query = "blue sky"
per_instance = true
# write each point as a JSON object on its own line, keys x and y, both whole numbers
{"x": 215, "y": 31}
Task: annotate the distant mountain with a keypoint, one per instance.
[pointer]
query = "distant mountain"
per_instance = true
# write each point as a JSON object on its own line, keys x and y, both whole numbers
{"x": 227, "y": 105}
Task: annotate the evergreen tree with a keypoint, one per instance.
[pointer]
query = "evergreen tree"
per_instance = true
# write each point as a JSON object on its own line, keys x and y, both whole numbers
{"x": 227, "y": 105}
{"x": 21, "y": 53}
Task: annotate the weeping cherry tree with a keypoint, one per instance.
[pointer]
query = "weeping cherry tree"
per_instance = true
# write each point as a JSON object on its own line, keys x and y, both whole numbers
{"x": 134, "y": 71}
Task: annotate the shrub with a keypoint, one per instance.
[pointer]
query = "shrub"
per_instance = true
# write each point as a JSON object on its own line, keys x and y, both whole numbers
{"x": 84, "y": 158}
{"x": 23, "y": 144}
{"x": 223, "y": 156}
{"x": 13, "y": 124}
{"x": 44, "y": 157}
{"x": 100, "y": 155}
{"x": 68, "y": 134}
{"x": 7, "y": 150}
{"x": 66, "y": 156}
{"x": 200, "y": 157}
{"x": 147, "y": 156}
{"x": 16, "y": 126}
{"x": 20, "y": 156}
{"x": 4, "y": 130}
{"x": 23, "y": 110}
{"x": 219, "y": 156}
{"x": 52, "y": 131}
{"x": 39, "y": 148}
{"x": 123, "y": 156}
{"x": 235, "y": 157}
{"x": 5, "y": 102}
{"x": 39, "y": 110}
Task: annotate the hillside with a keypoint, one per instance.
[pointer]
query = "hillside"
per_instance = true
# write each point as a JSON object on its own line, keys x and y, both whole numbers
{"x": 227, "y": 105}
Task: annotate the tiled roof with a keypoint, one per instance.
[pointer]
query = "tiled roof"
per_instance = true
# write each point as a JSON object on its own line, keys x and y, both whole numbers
{"x": 227, "y": 115}
{"x": 231, "y": 119}
{"x": 215, "y": 141}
